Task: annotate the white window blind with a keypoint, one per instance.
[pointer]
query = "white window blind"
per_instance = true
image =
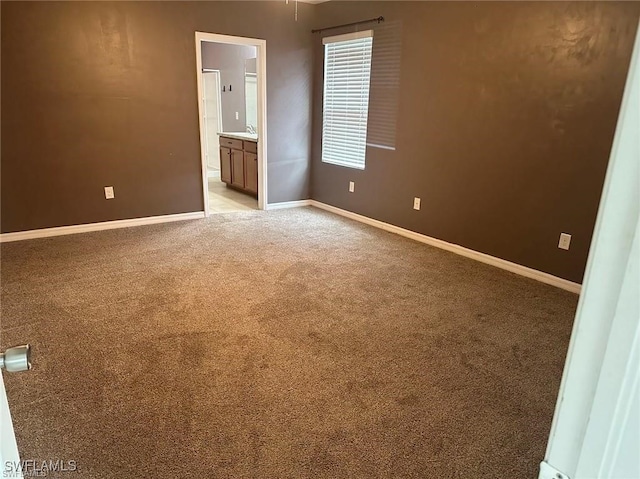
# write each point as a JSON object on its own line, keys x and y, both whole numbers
{"x": 347, "y": 72}
{"x": 385, "y": 85}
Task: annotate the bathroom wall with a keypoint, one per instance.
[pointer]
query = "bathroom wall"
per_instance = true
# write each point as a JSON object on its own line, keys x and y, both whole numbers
{"x": 230, "y": 60}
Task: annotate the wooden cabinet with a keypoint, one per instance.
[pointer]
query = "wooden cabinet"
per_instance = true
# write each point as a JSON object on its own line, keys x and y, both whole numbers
{"x": 225, "y": 164}
{"x": 251, "y": 172}
{"x": 239, "y": 164}
{"x": 237, "y": 168}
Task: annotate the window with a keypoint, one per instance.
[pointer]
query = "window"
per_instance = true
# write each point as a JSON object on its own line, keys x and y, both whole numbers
{"x": 347, "y": 71}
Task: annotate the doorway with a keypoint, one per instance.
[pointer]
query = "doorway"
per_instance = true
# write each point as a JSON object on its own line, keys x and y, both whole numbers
{"x": 233, "y": 133}
{"x": 212, "y": 120}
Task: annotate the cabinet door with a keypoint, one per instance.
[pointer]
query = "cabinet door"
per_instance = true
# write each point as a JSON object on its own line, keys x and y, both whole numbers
{"x": 225, "y": 164}
{"x": 251, "y": 172}
{"x": 237, "y": 168}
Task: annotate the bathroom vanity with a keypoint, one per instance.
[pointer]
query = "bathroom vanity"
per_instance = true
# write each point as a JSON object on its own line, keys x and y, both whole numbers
{"x": 239, "y": 161}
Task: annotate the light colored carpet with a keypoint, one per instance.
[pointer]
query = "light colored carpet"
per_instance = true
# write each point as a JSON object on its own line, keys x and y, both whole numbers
{"x": 284, "y": 344}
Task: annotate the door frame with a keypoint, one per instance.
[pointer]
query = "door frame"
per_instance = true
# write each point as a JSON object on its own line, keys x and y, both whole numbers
{"x": 261, "y": 68}
{"x": 8, "y": 447}
{"x": 219, "y": 107}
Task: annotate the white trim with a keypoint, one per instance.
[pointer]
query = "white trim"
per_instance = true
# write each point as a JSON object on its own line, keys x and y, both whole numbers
{"x": 288, "y": 204}
{"x": 454, "y": 248}
{"x": 383, "y": 147}
{"x": 348, "y": 36}
{"x": 483, "y": 258}
{"x": 261, "y": 67}
{"x": 105, "y": 225}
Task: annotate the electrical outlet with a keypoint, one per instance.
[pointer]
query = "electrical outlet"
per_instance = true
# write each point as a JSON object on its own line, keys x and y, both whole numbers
{"x": 352, "y": 187}
{"x": 565, "y": 241}
{"x": 416, "y": 203}
{"x": 108, "y": 192}
{"x": 237, "y": 116}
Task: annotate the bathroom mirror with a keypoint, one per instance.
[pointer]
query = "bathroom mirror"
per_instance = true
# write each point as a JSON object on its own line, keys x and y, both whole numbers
{"x": 251, "y": 95}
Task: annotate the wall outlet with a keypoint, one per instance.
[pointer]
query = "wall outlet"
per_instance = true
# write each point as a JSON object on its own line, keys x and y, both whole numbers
{"x": 352, "y": 187}
{"x": 416, "y": 203}
{"x": 565, "y": 241}
{"x": 108, "y": 192}
{"x": 237, "y": 116}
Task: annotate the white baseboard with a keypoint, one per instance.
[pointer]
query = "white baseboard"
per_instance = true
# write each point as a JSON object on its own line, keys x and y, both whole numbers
{"x": 469, "y": 253}
{"x": 105, "y": 225}
{"x": 288, "y": 204}
{"x": 454, "y": 248}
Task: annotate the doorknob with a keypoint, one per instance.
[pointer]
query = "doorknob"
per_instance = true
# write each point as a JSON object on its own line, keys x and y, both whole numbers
{"x": 16, "y": 359}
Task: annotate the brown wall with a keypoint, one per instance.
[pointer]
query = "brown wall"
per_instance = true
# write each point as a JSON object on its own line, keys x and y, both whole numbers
{"x": 507, "y": 112}
{"x": 97, "y": 94}
{"x": 506, "y": 115}
{"x": 230, "y": 60}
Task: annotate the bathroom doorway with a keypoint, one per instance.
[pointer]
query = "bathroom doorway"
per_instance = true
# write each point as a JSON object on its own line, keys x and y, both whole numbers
{"x": 231, "y": 73}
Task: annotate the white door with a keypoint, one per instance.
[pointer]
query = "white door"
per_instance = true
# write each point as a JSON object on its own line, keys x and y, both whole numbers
{"x": 9, "y": 458}
{"x": 595, "y": 432}
{"x": 212, "y": 118}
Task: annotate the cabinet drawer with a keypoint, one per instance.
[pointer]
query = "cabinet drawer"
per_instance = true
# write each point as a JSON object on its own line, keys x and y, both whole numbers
{"x": 231, "y": 143}
{"x": 250, "y": 146}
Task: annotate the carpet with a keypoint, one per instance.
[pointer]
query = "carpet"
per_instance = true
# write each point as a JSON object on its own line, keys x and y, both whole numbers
{"x": 282, "y": 344}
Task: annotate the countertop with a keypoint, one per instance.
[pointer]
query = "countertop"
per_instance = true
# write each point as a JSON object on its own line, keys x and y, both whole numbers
{"x": 239, "y": 135}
